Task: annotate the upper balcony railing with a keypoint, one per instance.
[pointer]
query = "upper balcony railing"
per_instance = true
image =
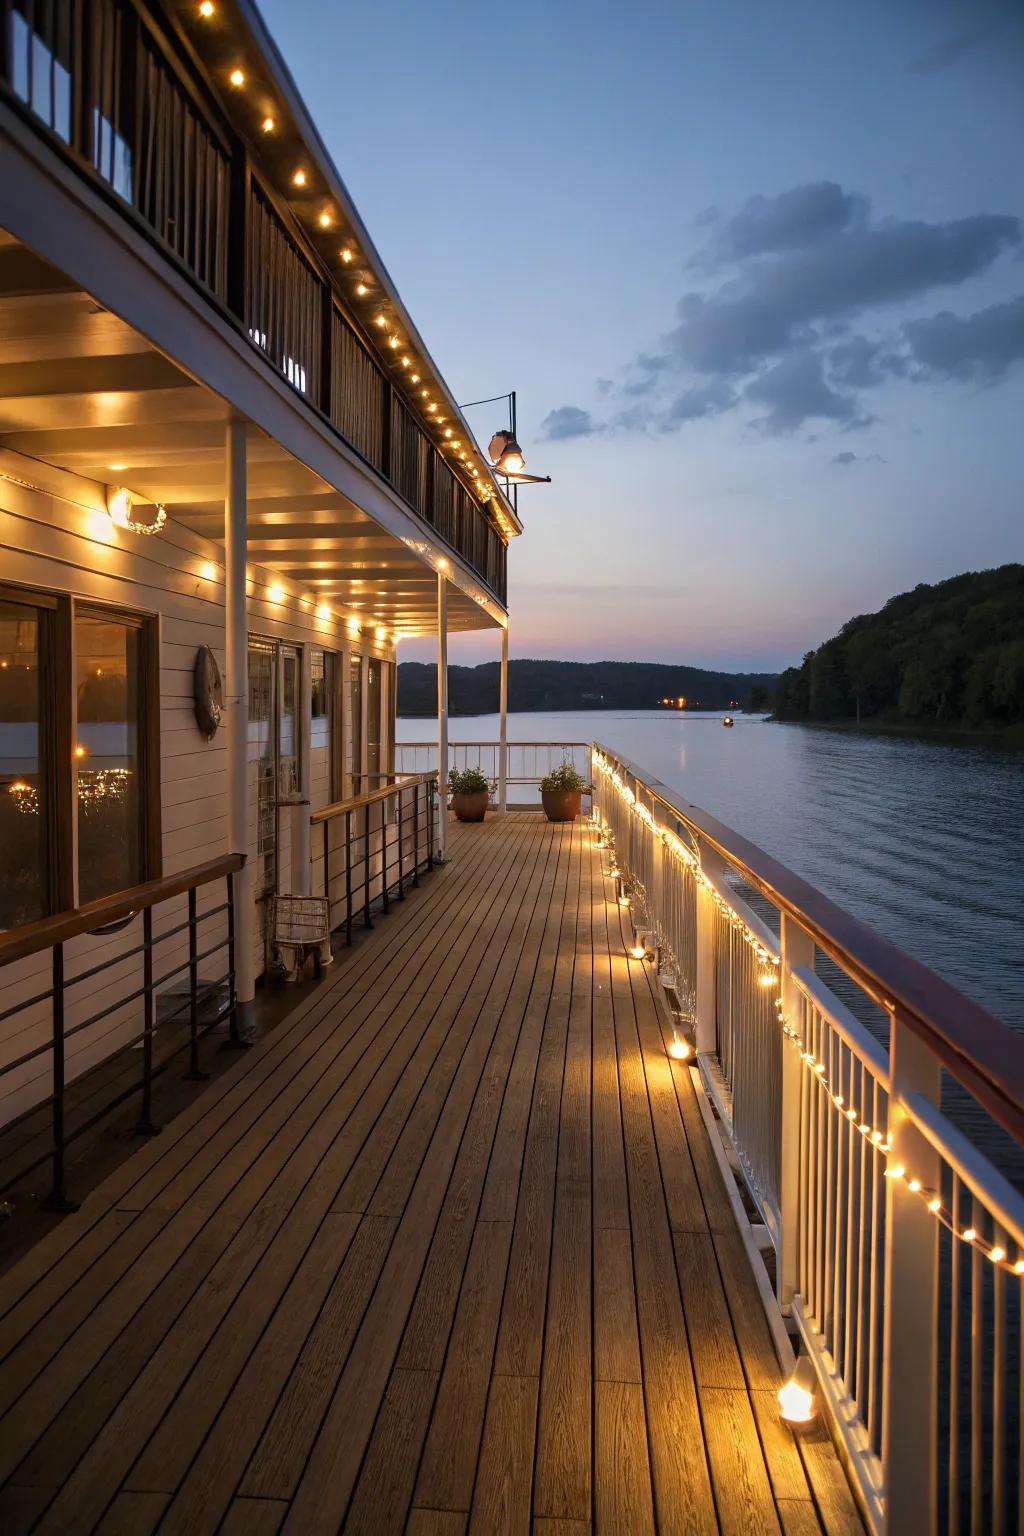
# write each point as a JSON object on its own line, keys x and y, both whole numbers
{"x": 116, "y": 96}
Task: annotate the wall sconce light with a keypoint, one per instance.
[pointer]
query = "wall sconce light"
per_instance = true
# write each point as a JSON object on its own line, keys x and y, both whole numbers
{"x": 123, "y": 512}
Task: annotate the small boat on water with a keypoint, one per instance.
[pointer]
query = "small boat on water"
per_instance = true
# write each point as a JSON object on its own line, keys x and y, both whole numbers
{"x": 728, "y": 721}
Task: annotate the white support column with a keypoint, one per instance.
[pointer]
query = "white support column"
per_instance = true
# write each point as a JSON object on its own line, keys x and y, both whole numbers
{"x": 442, "y": 715}
{"x": 302, "y": 874}
{"x": 911, "y": 1305}
{"x": 503, "y": 726}
{"x": 237, "y": 666}
{"x": 797, "y": 949}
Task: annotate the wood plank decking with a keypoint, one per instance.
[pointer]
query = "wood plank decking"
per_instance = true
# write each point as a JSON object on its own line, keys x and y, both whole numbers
{"x": 449, "y": 1252}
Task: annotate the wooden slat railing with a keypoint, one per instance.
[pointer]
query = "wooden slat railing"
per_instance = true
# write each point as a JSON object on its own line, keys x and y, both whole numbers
{"x": 118, "y": 98}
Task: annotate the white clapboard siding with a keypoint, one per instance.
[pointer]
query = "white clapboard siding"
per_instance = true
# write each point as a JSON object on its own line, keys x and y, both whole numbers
{"x": 55, "y": 536}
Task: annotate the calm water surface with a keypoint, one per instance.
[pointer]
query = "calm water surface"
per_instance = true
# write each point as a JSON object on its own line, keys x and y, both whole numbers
{"x": 921, "y": 839}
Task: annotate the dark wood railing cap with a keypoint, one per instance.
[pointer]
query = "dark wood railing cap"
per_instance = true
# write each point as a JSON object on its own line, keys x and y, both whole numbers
{"x": 401, "y": 782}
{"x": 32, "y": 938}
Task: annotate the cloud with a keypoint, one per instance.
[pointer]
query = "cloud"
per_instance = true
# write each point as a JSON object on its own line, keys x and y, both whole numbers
{"x": 847, "y": 458}
{"x": 795, "y": 391}
{"x": 791, "y": 220}
{"x": 566, "y": 422}
{"x": 947, "y": 52}
{"x": 776, "y": 301}
{"x": 975, "y": 348}
{"x": 785, "y": 314}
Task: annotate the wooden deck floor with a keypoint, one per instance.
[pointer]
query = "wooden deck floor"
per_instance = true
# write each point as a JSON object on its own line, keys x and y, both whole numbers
{"x": 450, "y": 1251}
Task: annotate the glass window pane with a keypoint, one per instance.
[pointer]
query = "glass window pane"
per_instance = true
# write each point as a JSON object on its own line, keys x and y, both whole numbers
{"x": 373, "y": 720}
{"x": 354, "y": 748}
{"x": 23, "y": 889}
{"x": 107, "y": 757}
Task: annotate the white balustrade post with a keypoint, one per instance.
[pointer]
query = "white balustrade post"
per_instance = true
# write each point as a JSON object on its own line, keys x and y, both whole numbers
{"x": 236, "y": 632}
{"x": 797, "y": 949}
{"x": 910, "y": 1329}
{"x": 707, "y": 979}
{"x": 503, "y": 726}
{"x": 442, "y": 716}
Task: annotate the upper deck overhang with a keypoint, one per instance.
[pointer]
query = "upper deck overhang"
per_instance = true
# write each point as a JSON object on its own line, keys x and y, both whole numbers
{"x": 83, "y": 390}
{"x": 250, "y": 314}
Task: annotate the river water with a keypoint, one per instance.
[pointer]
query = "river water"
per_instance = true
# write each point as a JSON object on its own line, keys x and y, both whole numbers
{"x": 920, "y": 839}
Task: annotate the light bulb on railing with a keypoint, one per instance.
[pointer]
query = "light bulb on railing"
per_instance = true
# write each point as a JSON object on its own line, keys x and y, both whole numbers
{"x": 680, "y": 1049}
{"x": 797, "y": 1398}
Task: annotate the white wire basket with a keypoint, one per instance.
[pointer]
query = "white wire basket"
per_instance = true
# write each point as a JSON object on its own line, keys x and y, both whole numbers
{"x": 301, "y": 927}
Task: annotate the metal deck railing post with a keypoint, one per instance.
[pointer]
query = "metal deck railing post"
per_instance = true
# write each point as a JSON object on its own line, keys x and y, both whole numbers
{"x": 145, "y": 1126}
{"x": 58, "y": 1196}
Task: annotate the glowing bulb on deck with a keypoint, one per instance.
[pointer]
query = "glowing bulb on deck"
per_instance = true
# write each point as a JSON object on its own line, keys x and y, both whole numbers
{"x": 797, "y": 1397}
{"x": 679, "y": 1050}
{"x": 638, "y": 951}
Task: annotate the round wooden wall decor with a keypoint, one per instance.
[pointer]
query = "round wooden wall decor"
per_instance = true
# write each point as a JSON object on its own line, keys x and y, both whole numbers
{"x": 208, "y": 692}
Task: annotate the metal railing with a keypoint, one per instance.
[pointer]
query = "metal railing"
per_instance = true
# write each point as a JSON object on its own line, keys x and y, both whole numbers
{"x": 58, "y": 1003}
{"x": 527, "y": 763}
{"x": 114, "y": 96}
{"x": 374, "y": 845}
{"x": 898, "y": 1243}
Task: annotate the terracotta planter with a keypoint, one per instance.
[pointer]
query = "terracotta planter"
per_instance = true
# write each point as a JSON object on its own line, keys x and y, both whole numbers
{"x": 561, "y": 804}
{"x": 470, "y": 807}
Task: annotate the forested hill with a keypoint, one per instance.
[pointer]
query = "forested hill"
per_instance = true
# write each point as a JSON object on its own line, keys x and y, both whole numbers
{"x": 577, "y": 685}
{"x": 951, "y": 654}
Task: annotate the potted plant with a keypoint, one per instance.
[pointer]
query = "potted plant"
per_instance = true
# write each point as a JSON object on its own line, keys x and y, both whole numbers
{"x": 561, "y": 793}
{"x": 470, "y": 792}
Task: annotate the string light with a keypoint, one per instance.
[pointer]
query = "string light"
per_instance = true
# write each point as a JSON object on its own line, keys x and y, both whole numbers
{"x": 769, "y": 976}
{"x": 206, "y": 9}
{"x": 379, "y": 320}
{"x": 362, "y": 290}
{"x": 345, "y": 254}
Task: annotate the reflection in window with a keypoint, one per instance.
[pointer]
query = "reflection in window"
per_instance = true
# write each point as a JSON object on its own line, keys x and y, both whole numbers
{"x": 374, "y": 717}
{"x": 23, "y": 888}
{"x": 107, "y": 664}
{"x": 37, "y": 73}
{"x": 288, "y": 739}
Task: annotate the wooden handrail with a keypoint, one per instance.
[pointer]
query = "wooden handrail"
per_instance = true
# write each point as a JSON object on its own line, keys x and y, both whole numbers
{"x": 32, "y": 938}
{"x": 401, "y": 782}
{"x": 985, "y": 1055}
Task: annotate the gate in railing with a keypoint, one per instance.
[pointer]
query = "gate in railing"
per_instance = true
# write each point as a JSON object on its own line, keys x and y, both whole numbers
{"x": 899, "y": 1246}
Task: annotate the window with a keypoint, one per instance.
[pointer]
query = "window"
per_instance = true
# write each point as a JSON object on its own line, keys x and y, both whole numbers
{"x": 24, "y": 889}
{"x": 288, "y": 725}
{"x": 354, "y": 747}
{"x": 78, "y": 750}
{"x": 40, "y": 42}
{"x": 374, "y": 720}
{"x": 107, "y": 755}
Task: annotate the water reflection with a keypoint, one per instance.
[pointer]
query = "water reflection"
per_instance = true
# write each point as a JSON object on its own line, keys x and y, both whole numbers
{"x": 920, "y": 839}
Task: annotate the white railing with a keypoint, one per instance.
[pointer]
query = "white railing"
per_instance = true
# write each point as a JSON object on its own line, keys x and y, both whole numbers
{"x": 528, "y": 762}
{"x": 898, "y": 1245}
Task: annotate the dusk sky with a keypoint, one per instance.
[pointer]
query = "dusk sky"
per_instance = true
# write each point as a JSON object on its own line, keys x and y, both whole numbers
{"x": 755, "y": 270}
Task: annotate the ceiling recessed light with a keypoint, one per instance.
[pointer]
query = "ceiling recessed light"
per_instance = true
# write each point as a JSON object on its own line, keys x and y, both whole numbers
{"x": 268, "y": 125}
{"x": 299, "y": 178}
{"x": 206, "y": 9}
{"x": 362, "y": 289}
{"x": 345, "y": 254}
{"x": 237, "y": 78}
{"x": 325, "y": 220}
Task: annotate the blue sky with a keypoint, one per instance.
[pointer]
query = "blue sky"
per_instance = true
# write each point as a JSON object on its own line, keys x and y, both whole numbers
{"x": 755, "y": 270}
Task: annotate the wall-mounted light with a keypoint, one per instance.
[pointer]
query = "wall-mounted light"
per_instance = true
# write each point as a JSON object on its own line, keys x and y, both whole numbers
{"x": 148, "y": 518}
{"x": 323, "y": 610}
{"x": 275, "y": 593}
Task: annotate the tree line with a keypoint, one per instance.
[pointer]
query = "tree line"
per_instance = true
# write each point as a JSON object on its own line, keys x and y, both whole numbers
{"x": 950, "y": 654}
{"x": 579, "y": 685}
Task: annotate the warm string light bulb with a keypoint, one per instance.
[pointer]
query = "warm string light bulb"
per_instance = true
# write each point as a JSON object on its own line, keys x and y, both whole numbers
{"x": 345, "y": 254}
{"x": 206, "y": 9}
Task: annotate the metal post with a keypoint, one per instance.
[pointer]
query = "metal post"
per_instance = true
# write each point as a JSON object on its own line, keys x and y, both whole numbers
{"x": 797, "y": 949}
{"x": 398, "y": 829}
{"x": 237, "y": 658}
{"x": 194, "y": 1075}
{"x": 367, "y": 919}
{"x": 442, "y": 715}
{"x": 385, "y": 903}
{"x": 503, "y": 726}
{"x": 416, "y": 834}
{"x": 58, "y": 1197}
{"x": 348, "y": 877}
{"x": 145, "y": 1126}
{"x": 911, "y": 1309}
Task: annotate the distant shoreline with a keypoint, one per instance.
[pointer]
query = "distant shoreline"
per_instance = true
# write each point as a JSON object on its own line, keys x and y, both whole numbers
{"x": 1010, "y": 737}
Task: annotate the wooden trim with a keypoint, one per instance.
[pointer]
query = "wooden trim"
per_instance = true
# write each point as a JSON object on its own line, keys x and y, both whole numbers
{"x": 980, "y": 1051}
{"x": 386, "y": 792}
{"x": 48, "y": 931}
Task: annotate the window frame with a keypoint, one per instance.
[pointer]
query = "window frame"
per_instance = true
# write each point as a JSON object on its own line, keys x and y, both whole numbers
{"x": 58, "y": 731}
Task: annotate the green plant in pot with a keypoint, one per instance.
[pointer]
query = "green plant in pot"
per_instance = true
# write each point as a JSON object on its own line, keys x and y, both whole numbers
{"x": 561, "y": 793}
{"x": 469, "y": 792}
